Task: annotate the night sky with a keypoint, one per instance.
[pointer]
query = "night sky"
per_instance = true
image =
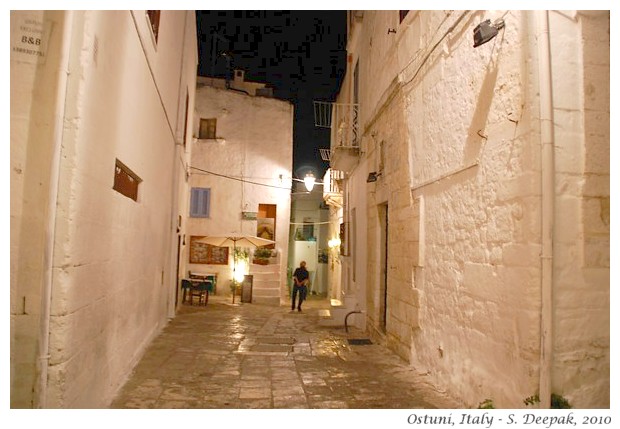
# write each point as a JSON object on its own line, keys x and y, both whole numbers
{"x": 300, "y": 54}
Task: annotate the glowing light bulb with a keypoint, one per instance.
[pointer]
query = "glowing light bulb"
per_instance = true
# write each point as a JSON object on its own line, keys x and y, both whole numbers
{"x": 309, "y": 181}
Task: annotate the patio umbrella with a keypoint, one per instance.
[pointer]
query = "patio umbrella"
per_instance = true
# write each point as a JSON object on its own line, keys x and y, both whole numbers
{"x": 235, "y": 240}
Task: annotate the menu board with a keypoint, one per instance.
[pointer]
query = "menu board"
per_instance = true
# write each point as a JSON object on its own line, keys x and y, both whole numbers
{"x": 246, "y": 288}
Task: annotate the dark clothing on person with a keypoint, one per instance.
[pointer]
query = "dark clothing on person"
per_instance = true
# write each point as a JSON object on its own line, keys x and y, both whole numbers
{"x": 301, "y": 274}
{"x": 300, "y": 279}
{"x": 303, "y": 291}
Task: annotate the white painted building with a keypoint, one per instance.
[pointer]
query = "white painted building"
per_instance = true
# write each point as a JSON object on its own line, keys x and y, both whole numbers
{"x": 241, "y": 167}
{"x": 484, "y": 250}
{"x": 100, "y": 101}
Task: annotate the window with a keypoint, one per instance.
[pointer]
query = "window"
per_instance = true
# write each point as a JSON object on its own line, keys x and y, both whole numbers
{"x": 126, "y": 181}
{"x": 153, "y": 16}
{"x": 207, "y": 128}
{"x": 200, "y": 202}
{"x": 308, "y": 228}
{"x": 402, "y": 14}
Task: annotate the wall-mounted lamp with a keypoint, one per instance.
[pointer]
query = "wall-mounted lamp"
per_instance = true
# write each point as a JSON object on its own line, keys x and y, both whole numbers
{"x": 372, "y": 176}
{"x": 334, "y": 243}
{"x": 486, "y": 31}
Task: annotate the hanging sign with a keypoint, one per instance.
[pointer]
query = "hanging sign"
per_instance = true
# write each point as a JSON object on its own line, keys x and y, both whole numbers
{"x": 249, "y": 215}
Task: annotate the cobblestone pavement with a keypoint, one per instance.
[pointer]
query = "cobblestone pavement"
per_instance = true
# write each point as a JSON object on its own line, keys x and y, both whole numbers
{"x": 252, "y": 356}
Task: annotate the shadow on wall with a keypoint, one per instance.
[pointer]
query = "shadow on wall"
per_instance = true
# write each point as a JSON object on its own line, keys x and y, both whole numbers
{"x": 476, "y": 135}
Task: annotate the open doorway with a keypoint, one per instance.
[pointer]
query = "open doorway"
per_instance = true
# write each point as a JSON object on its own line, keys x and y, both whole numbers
{"x": 383, "y": 264}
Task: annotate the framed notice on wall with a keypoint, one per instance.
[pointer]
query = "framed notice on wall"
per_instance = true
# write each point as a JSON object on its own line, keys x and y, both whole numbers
{"x": 203, "y": 253}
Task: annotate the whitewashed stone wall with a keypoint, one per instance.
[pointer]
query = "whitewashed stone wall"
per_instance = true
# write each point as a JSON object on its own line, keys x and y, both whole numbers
{"x": 581, "y": 289}
{"x": 113, "y": 278}
{"x": 31, "y": 124}
{"x": 254, "y": 148}
{"x": 456, "y": 130}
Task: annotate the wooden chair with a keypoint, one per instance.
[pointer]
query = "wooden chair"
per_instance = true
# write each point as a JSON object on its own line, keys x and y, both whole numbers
{"x": 195, "y": 277}
{"x": 201, "y": 290}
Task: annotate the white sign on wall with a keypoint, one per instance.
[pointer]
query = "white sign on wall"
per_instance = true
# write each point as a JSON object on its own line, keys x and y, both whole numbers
{"x": 29, "y": 37}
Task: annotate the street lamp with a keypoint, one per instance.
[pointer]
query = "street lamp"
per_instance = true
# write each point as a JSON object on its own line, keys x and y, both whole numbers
{"x": 309, "y": 181}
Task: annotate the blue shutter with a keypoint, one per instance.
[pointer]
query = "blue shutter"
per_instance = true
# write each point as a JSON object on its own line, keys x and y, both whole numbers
{"x": 193, "y": 203}
{"x": 200, "y": 202}
{"x": 206, "y": 202}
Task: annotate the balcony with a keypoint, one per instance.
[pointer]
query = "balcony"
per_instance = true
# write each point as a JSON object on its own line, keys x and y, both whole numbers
{"x": 343, "y": 121}
{"x": 332, "y": 187}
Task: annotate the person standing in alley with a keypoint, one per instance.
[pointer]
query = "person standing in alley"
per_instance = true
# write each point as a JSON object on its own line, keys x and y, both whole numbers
{"x": 300, "y": 284}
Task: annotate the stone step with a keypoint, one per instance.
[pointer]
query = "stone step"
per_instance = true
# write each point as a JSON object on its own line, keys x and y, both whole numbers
{"x": 265, "y": 275}
{"x": 265, "y": 282}
{"x": 271, "y": 268}
{"x": 338, "y": 310}
{"x": 266, "y": 300}
{"x": 265, "y": 292}
{"x": 325, "y": 314}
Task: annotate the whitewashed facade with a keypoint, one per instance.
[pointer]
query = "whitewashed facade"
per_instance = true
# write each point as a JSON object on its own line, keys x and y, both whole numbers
{"x": 246, "y": 166}
{"x": 487, "y": 236}
{"x": 93, "y": 272}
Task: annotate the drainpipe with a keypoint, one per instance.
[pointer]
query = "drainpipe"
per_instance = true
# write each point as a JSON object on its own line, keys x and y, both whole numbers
{"x": 50, "y": 231}
{"x": 547, "y": 197}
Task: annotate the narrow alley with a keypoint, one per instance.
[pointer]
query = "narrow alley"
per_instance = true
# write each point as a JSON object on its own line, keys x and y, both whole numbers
{"x": 254, "y": 356}
{"x": 441, "y": 175}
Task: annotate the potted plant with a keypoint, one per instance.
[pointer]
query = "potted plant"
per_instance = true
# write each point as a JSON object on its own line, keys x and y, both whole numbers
{"x": 241, "y": 254}
{"x": 261, "y": 256}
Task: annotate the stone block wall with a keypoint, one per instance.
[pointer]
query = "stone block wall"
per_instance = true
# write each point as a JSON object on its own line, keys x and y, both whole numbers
{"x": 457, "y": 131}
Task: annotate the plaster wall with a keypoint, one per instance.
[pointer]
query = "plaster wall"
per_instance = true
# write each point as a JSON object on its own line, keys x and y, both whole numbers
{"x": 335, "y": 272}
{"x": 250, "y": 163}
{"x": 112, "y": 255}
{"x": 34, "y": 83}
{"x": 356, "y": 283}
{"x": 456, "y": 130}
{"x": 181, "y": 161}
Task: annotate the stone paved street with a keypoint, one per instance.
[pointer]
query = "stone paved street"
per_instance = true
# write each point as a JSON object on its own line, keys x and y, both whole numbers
{"x": 252, "y": 356}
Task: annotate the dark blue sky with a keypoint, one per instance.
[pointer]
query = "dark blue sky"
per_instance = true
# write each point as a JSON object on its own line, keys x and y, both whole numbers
{"x": 301, "y": 54}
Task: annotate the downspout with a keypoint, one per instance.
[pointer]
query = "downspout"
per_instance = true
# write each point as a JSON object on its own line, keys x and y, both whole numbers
{"x": 547, "y": 140}
{"x": 50, "y": 231}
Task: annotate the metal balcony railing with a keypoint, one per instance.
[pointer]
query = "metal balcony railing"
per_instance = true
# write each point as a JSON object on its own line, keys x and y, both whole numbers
{"x": 342, "y": 119}
{"x": 332, "y": 181}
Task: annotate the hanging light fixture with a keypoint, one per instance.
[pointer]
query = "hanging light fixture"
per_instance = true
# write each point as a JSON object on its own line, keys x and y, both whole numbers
{"x": 309, "y": 181}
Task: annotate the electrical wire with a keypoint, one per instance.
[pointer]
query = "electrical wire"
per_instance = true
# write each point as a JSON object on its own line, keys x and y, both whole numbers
{"x": 238, "y": 179}
{"x": 450, "y": 30}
